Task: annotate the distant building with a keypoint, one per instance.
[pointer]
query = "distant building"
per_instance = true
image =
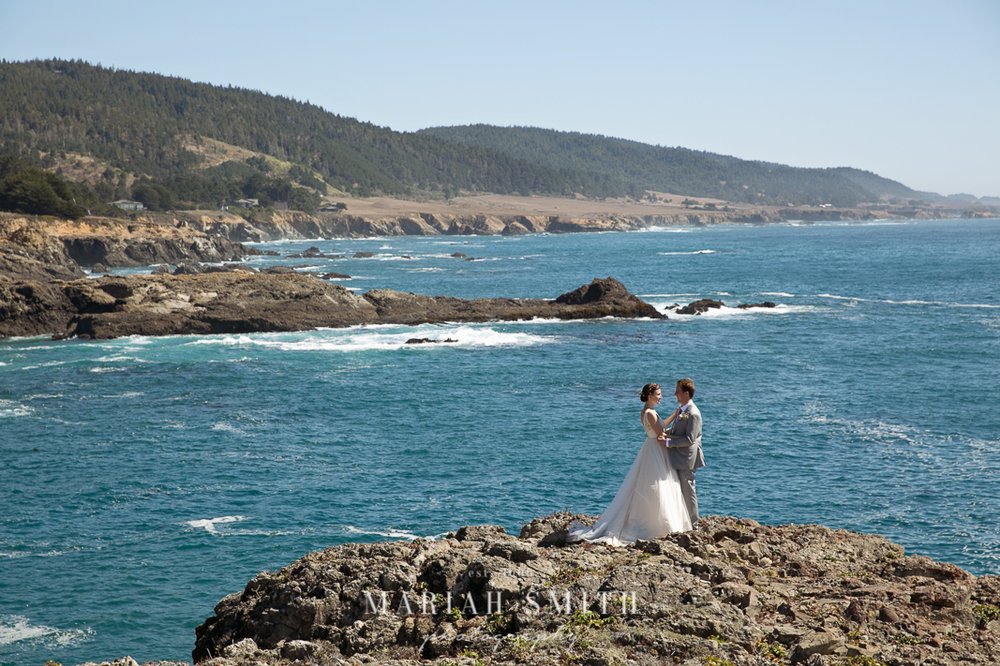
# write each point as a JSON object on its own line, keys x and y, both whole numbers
{"x": 333, "y": 207}
{"x": 246, "y": 203}
{"x": 128, "y": 204}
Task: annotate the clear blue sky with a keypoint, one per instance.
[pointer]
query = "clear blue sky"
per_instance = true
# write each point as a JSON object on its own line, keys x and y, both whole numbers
{"x": 908, "y": 89}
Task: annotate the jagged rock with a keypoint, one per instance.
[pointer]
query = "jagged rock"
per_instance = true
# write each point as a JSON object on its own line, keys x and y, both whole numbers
{"x": 764, "y": 304}
{"x": 188, "y": 269}
{"x": 513, "y": 599}
{"x": 700, "y": 306}
{"x": 424, "y": 341}
{"x": 364, "y": 255}
{"x": 275, "y": 299}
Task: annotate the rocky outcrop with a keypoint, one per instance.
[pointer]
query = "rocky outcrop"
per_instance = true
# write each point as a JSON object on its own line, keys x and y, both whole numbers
{"x": 240, "y": 301}
{"x": 731, "y": 591}
{"x": 29, "y": 252}
{"x": 611, "y": 299}
{"x": 38, "y": 248}
{"x": 703, "y": 305}
{"x": 261, "y": 225}
{"x": 700, "y": 306}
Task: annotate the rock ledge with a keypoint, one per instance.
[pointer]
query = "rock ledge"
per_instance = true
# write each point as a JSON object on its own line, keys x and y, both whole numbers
{"x": 732, "y": 591}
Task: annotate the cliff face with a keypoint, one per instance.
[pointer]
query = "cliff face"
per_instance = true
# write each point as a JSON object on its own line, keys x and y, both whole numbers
{"x": 272, "y": 225}
{"x": 35, "y": 248}
{"x": 731, "y": 591}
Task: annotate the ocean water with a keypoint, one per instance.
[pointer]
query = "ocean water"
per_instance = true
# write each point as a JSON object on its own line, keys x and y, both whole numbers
{"x": 145, "y": 478}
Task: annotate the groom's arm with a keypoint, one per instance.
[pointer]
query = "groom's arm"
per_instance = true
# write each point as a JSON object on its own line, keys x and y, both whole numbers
{"x": 685, "y": 432}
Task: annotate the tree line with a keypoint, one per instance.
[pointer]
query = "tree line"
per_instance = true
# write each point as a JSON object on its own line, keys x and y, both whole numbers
{"x": 139, "y": 127}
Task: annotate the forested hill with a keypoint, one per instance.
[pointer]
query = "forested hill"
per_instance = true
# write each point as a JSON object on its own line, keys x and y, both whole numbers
{"x": 680, "y": 170}
{"x": 170, "y": 142}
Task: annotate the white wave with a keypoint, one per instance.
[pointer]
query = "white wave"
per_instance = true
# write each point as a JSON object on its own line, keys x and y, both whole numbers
{"x": 17, "y": 628}
{"x": 783, "y": 294}
{"x": 17, "y": 554}
{"x": 103, "y": 369}
{"x": 11, "y": 409}
{"x": 433, "y": 269}
{"x": 674, "y": 254}
{"x": 887, "y": 301}
{"x": 222, "y": 426}
{"x": 117, "y": 358}
{"x": 726, "y": 312}
{"x": 2, "y": 363}
{"x": 208, "y": 524}
{"x": 666, "y": 230}
{"x": 372, "y": 339}
{"x": 668, "y": 295}
{"x": 47, "y": 364}
{"x": 390, "y": 533}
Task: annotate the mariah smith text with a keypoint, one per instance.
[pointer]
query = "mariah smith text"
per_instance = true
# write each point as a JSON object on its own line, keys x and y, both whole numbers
{"x": 563, "y": 603}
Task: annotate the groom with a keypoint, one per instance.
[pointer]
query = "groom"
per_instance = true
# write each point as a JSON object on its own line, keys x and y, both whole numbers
{"x": 683, "y": 442}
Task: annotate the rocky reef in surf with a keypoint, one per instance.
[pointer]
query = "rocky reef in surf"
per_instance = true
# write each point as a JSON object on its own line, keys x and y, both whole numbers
{"x": 239, "y": 301}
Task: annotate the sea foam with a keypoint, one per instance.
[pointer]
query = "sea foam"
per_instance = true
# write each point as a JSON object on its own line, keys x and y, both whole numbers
{"x": 378, "y": 339}
{"x": 17, "y": 628}
{"x": 914, "y": 301}
{"x": 11, "y": 409}
{"x": 208, "y": 524}
{"x": 391, "y": 533}
{"x": 674, "y": 254}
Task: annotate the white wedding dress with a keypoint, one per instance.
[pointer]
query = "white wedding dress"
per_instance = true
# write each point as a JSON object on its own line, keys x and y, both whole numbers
{"x": 648, "y": 505}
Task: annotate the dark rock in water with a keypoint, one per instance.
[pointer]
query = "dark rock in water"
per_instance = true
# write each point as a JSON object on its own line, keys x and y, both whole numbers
{"x": 598, "y": 290}
{"x": 700, "y": 306}
{"x": 189, "y": 269}
{"x": 314, "y": 253}
{"x": 458, "y": 255}
{"x": 269, "y": 253}
{"x": 424, "y": 341}
{"x": 275, "y": 299}
{"x": 335, "y": 276}
{"x": 713, "y": 595}
{"x": 364, "y": 255}
{"x": 765, "y": 304}
{"x": 162, "y": 269}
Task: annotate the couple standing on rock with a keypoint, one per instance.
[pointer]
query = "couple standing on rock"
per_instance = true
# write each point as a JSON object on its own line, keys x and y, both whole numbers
{"x": 658, "y": 494}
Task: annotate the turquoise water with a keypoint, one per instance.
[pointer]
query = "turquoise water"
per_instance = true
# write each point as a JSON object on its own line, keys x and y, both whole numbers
{"x": 145, "y": 478}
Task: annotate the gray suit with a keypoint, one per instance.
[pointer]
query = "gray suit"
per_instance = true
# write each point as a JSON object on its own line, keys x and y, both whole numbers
{"x": 684, "y": 451}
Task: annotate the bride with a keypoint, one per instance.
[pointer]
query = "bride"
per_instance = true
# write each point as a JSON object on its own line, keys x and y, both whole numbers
{"x": 649, "y": 503}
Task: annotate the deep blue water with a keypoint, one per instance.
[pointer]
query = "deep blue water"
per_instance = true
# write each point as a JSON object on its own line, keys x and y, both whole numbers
{"x": 145, "y": 478}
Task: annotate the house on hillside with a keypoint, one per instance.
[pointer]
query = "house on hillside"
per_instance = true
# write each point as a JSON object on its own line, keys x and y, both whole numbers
{"x": 247, "y": 203}
{"x": 333, "y": 207}
{"x": 128, "y": 204}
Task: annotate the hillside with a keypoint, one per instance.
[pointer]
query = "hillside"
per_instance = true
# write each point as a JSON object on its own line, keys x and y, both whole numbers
{"x": 173, "y": 143}
{"x": 695, "y": 173}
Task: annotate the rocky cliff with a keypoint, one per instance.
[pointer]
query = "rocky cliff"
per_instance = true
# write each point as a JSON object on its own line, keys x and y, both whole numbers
{"x": 732, "y": 591}
{"x": 37, "y": 248}
{"x": 272, "y": 225}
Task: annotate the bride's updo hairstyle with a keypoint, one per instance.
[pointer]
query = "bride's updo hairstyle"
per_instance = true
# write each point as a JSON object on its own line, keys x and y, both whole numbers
{"x": 648, "y": 390}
